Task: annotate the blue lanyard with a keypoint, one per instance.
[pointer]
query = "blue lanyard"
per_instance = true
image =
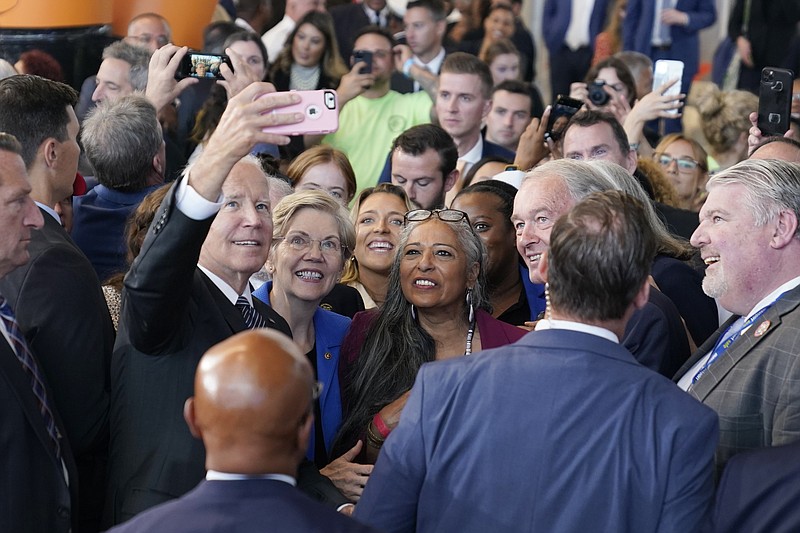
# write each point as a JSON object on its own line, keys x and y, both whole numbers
{"x": 724, "y": 342}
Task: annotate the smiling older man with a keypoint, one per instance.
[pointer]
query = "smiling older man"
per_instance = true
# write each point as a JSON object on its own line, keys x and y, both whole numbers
{"x": 749, "y": 370}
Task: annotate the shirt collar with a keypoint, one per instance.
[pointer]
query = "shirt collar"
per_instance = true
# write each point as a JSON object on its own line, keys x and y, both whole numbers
{"x": 226, "y": 289}
{"x": 50, "y": 211}
{"x": 773, "y": 296}
{"x": 549, "y": 323}
{"x": 213, "y": 475}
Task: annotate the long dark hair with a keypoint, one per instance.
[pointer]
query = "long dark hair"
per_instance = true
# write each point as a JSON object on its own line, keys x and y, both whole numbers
{"x": 396, "y": 346}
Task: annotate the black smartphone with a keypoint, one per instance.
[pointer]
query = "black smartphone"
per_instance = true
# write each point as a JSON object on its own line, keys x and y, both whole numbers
{"x": 202, "y": 65}
{"x": 774, "y": 101}
{"x": 560, "y": 114}
{"x": 366, "y": 57}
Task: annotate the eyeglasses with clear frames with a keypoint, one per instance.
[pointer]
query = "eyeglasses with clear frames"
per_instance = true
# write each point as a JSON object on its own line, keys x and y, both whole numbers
{"x": 685, "y": 164}
{"x": 302, "y": 243}
{"x": 445, "y": 215}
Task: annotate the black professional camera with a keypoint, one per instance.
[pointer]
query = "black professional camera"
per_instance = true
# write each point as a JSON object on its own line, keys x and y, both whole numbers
{"x": 597, "y": 94}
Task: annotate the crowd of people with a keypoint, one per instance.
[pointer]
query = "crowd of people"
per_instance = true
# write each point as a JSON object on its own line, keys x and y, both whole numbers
{"x": 439, "y": 317}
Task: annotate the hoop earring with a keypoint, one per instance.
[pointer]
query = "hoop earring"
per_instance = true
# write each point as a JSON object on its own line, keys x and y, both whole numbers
{"x": 470, "y": 305}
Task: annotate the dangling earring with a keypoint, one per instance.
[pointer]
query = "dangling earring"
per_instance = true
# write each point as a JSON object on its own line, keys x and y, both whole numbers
{"x": 548, "y": 310}
{"x": 413, "y": 312}
{"x": 470, "y": 306}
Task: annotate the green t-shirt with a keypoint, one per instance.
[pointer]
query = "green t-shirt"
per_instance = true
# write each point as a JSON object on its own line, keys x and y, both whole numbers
{"x": 367, "y": 127}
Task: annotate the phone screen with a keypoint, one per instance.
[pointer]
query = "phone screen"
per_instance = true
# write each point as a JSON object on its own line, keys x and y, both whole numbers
{"x": 560, "y": 114}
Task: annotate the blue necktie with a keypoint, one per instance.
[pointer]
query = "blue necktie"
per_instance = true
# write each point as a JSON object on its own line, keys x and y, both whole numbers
{"x": 252, "y": 318}
{"x": 31, "y": 367}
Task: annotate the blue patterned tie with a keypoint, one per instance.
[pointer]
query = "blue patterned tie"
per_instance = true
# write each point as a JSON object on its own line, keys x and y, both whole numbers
{"x": 31, "y": 367}
{"x": 252, "y": 318}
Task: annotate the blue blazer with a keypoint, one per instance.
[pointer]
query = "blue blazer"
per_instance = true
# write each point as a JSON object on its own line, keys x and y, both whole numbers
{"x": 759, "y": 492}
{"x": 556, "y": 17}
{"x": 330, "y": 329}
{"x": 638, "y": 31}
{"x": 243, "y": 506}
{"x": 571, "y": 431}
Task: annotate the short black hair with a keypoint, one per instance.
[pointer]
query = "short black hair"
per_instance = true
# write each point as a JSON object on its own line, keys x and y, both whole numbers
{"x": 419, "y": 139}
{"x": 33, "y": 109}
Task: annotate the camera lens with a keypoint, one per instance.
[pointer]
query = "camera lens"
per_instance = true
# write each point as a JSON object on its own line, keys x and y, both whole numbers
{"x": 597, "y": 95}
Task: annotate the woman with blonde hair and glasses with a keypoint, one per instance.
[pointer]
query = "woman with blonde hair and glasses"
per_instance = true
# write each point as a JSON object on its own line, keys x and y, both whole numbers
{"x": 313, "y": 237}
{"x": 685, "y": 164}
{"x": 436, "y": 309}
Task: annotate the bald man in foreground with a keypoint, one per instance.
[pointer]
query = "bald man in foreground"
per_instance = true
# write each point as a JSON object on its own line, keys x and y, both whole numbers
{"x": 253, "y": 410}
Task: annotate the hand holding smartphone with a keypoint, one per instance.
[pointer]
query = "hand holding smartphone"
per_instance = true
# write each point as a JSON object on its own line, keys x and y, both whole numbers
{"x": 666, "y": 70}
{"x": 320, "y": 114}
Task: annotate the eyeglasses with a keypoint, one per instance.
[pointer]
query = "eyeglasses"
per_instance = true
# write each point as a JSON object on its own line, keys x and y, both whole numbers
{"x": 685, "y": 164}
{"x": 445, "y": 215}
{"x": 316, "y": 389}
{"x": 302, "y": 243}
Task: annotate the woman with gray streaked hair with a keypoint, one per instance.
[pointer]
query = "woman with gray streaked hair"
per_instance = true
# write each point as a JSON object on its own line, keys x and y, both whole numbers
{"x": 436, "y": 309}
{"x": 671, "y": 270}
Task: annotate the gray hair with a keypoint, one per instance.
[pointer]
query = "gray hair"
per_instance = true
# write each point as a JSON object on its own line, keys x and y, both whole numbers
{"x": 624, "y": 182}
{"x": 580, "y": 177}
{"x": 770, "y": 186}
{"x": 138, "y": 58}
{"x": 121, "y": 139}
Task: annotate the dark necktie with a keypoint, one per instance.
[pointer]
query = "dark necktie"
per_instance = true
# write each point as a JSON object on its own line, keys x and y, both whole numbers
{"x": 31, "y": 367}
{"x": 252, "y": 318}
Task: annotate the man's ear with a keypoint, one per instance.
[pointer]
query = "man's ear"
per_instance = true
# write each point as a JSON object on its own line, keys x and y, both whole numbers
{"x": 450, "y": 180}
{"x": 191, "y": 418}
{"x": 641, "y": 298}
{"x": 50, "y": 151}
{"x": 541, "y": 267}
{"x": 785, "y": 229}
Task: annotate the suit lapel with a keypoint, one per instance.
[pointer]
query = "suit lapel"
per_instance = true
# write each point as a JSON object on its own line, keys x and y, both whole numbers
{"x": 704, "y": 348}
{"x": 765, "y": 325}
{"x": 20, "y": 383}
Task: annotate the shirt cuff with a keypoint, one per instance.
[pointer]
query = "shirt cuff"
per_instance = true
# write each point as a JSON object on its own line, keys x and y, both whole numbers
{"x": 192, "y": 204}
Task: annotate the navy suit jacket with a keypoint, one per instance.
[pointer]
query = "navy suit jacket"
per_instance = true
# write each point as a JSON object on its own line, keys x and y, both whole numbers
{"x": 243, "y": 506}
{"x": 35, "y": 496}
{"x": 98, "y": 226}
{"x": 329, "y": 329}
{"x": 556, "y": 17}
{"x": 638, "y": 31}
{"x": 759, "y": 492}
{"x": 560, "y": 431}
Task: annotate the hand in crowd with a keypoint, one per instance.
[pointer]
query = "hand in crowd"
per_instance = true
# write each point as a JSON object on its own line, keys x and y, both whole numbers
{"x": 354, "y": 83}
{"x": 240, "y": 128}
{"x": 347, "y": 476}
{"x": 241, "y": 76}
{"x": 755, "y": 136}
{"x": 532, "y": 147}
{"x": 673, "y": 17}
{"x": 745, "y": 50}
{"x": 402, "y": 53}
{"x": 162, "y": 87}
{"x": 653, "y": 105}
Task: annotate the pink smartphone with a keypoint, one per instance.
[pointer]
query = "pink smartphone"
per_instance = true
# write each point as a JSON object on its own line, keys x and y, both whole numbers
{"x": 320, "y": 110}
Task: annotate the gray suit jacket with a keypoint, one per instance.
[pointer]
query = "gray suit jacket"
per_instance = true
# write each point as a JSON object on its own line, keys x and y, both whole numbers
{"x": 755, "y": 385}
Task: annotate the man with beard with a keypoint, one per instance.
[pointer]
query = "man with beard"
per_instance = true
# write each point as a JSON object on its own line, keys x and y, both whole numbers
{"x": 749, "y": 370}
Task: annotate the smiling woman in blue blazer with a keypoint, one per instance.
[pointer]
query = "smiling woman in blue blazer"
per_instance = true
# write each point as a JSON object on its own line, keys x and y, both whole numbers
{"x": 313, "y": 236}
